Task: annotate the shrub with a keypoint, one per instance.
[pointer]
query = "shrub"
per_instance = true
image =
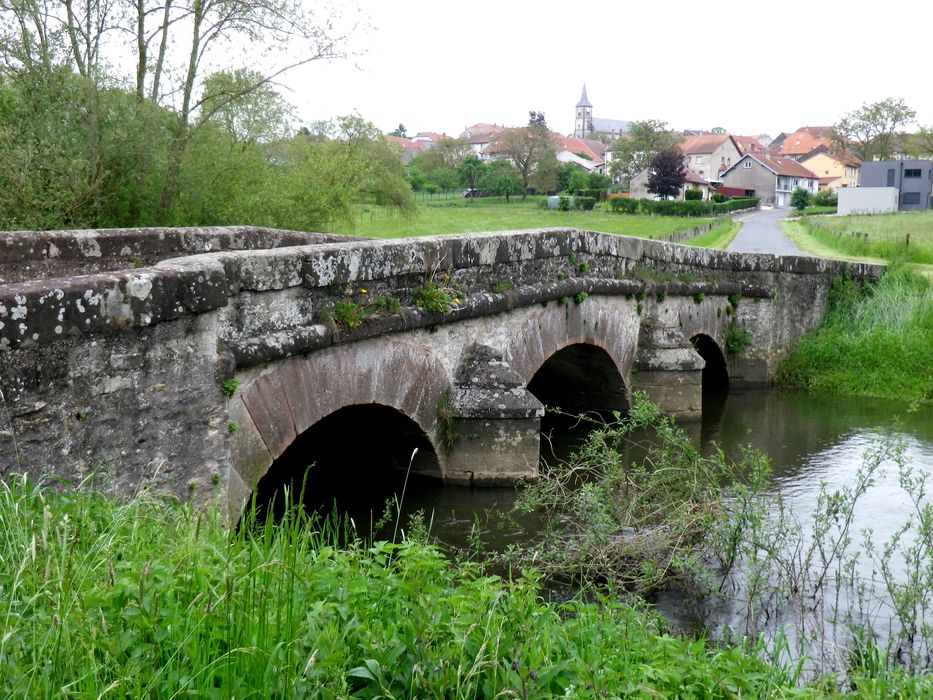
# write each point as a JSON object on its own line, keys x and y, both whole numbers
{"x": 668, "y": 207}
{"x": 624, "y": 205}
{"x": 800, "y": 198}
{"x": 586, "y": 203}
{"x": 826, "y": 198}
{"x": 565, "y": 203}
{"x": 693, "y": 194}
{"x": 718, "y": 198}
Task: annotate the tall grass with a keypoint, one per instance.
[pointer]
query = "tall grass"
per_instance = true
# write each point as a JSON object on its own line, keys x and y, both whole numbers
{"x": 876, "y": 340}
{"x": 879, "y": 236}
{"x": 156, "y": 599}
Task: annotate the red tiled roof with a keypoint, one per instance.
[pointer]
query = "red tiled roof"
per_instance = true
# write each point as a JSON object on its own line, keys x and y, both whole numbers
{"x": 779, "y": 164}
{"x": 693, "y": 145}
{"x": 805, "y": 139}
{"x": 843, "y": 157}
{"x": 749, "y": 144}
{"x": 691, "y": 176}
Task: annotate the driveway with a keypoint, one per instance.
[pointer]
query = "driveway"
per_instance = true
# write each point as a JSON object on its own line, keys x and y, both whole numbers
{"x": 761, "y": 233}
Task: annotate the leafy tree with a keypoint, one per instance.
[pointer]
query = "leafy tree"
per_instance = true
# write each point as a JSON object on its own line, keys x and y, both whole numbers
{"x": 416, "y": 178}
{"x": 667, "y": 173}
{"x": 501, "y": 178}
{"x": 526, "y": 147}
{"x": 800, "y": 199}
{"x": 545, "y": 175}
{"x": 452, "y": 152}
{"x": 579, "y": 180}
{"x": 871, "y": 130}
{"x": 400, "y": 131}
{"x": 633, "y": 152}
{"x": 537, "y": 119}
{"x": 598, "y": 181}
{"x": 718, "y": 130}
{"x": 470, "y": 171}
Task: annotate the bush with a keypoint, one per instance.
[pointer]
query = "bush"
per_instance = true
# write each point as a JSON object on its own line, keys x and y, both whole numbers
{"x": 565, "y": 203}
{"x": 624, "y": 205}
{"x": 800, "y": 198}
{"x": 718, "y": 198}
{"x": 826, "y": 198}
{"x": 693, "y": 194}
{"x": 669, "y": 207}
{"x": 585, "y": 203}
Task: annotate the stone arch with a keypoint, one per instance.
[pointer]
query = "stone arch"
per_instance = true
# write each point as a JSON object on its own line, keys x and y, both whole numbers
{"x": 361, "y": 456}
{"x": 608, "y": 323}
{"x": 715, "y": 369}
{"x": 285, "y": 399}
{"x": 580, "y": 378}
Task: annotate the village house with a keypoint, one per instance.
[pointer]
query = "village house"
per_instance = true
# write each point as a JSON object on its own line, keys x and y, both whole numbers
{"x": 802, "y": 142}
{"x": 710, "y": 154}
{"x": 912, "y": 178}
{"x": 638, "y": 186}
{"x": 771, "y": 178}
{"x": 834, "y": 170}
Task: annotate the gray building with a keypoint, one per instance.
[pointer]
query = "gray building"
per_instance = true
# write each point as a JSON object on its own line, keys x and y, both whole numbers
{"x": 912, "y": 178}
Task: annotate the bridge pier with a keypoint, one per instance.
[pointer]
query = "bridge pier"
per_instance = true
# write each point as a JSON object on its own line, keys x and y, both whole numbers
{"x": 670, "y": 371}
{"x": 491, "y": 424}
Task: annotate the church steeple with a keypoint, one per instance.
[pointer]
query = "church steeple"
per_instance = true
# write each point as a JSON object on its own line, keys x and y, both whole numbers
{"x": 583, "y": 121}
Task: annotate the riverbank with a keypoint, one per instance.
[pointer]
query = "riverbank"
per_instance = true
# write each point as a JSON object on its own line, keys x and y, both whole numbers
{"x": 878, "y": 340}
{"x": 151, "y": 598}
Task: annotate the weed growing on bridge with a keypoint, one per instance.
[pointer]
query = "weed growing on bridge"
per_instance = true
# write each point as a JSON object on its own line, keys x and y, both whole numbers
{"x": 349, "y": 313}
{"x": 500, "y": 286}
{"x": 699, "y": 297}
{"x": 580, "y": 297}
{"x": 228, "y": 387}
{"x": 433, "y": 297}
{"x": 737, "y": 339}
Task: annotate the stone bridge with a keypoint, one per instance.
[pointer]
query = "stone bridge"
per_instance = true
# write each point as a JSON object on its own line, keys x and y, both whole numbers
{"x": 209, "y": 362}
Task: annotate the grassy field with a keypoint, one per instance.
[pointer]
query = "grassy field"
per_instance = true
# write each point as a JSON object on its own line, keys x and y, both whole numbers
{"x": 492, "y": 214}
{"x": 719, "y": 237}
{"x": 874, "y": 341}
{"x": 870, "y": 238}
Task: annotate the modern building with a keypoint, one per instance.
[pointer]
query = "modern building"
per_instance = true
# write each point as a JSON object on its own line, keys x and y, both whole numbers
{"x": 912, "y": 178}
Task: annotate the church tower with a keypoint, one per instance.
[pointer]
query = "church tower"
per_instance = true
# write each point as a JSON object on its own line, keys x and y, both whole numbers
{"x": 583, "y": 123}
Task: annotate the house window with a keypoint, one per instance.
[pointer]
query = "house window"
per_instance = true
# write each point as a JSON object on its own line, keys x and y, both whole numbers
{"x": 910, "y": 198}
{"x": 890, "y": 177}
{"x": 912, "y": 172}
{"x": 748, "y": 164}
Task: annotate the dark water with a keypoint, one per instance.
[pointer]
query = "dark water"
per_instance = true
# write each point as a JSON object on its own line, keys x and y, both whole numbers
{"x": 808, "y": 438}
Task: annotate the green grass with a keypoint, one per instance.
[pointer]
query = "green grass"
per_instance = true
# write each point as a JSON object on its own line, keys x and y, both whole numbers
{"x": 719, "y": 237}
{"x": 874, "y": 341}
{"x": 816, "y": 211}
{"x": 155, "y": 599}
{"x": 886, "y": 236}
{"x": 457, "y": 216}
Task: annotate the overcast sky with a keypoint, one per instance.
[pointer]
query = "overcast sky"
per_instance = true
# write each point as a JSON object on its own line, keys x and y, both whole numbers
{"x": 750, "y": 66}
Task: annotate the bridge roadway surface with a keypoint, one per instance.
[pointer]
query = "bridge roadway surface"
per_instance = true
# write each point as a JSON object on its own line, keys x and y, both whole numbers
{"x": 761, "y": 233}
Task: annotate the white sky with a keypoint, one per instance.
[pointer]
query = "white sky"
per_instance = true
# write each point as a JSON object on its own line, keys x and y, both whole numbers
{"x": 750, "y": 66}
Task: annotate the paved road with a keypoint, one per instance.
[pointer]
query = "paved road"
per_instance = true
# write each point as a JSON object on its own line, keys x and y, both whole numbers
{"x": 761, "y": 233}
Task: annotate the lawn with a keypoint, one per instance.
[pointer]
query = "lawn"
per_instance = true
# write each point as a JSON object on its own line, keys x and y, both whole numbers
{"x": 873, "y": 238}
{"x": 454, "y": 216}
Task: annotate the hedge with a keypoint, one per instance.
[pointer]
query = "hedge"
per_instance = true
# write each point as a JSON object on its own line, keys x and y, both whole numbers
{"x": 669, "y": 207}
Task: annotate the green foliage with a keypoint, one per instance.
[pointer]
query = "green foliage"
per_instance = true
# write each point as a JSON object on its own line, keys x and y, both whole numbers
{"x": 826, "y": 198}
{"x": 698, "y": 297}
{"x": 633, "y": 152}
{"x": 500, "y": 286}
{"x": 692, "y": 194}
{"x": 151, "y": 598}
{"x": 892, "y": 237}
{"x": 228, "y": 387}
{"x": 870, "y": 132}
{"x": 433, "y": 297}
{"x": 637, "y": 524}
{"x": 800, "y": 198}
{"x": 349, "y": 313}
{"x": 232, "y": 428}
{"x": 501, "y": 178}
{"x": 585, "y": 203}
{"x": 875, "y": 340}
{"x": 679, "y": 208}
{"x": 737, "y": 339}
{"x": 564, "y": 203}
{"x": 580, "y": 297}
{"x": 718, "y": 197}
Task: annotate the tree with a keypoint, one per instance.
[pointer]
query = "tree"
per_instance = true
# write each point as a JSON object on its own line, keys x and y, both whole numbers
{"x": 399, "y": 131}
{"x": 633, "y": 152}
{"x": 579, "y": 180}
{"x": 501, "y": 178}
{"x": 470, "y": 171}
{"x": 800, "y": 199}
{"x": 718, "y": 130}
{"x": 537, "y": 119}
{"x": 545, "y": 176}
{"x": 667, "y": 173}
{"x": 525, "y": 147}
{"x": 871, "y": 130}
